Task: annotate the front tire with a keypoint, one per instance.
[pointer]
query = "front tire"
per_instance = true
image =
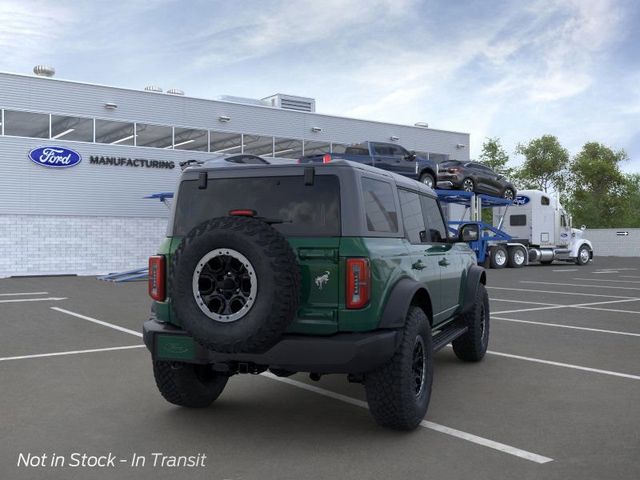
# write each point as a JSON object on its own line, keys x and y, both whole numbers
{"x": 428, "y": 180}
{"x": 188, "y": 385}
{"x": 472, "y": 346}
{"x": 398, "y": 393}
{"x": 584, "y": 255}
{"x": 508, "y": 193}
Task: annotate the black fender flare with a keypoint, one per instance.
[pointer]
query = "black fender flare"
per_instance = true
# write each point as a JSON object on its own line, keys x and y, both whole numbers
{"x": 399, "y": 301}
{"x": 476, "y": 275}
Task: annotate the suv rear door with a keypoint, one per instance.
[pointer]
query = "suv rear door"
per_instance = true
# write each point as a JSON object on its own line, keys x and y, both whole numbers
{"x": 441, "y": 249}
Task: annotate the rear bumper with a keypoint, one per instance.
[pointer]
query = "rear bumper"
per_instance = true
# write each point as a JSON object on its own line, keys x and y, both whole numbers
{"x": 339, "y": 353}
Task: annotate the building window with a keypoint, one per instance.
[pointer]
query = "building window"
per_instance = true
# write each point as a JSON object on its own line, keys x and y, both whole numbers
{"x": 157, "y": 136}
{"x": 287, "y": 148}
{"x": 316, "y": 148}
{"x": 257, "y": 145}
{"x": 380, "y": 207}
{"x": 191, "y": 139}
{"x": 115, "y": 133}
{"x": 26, "y": 124}
{"x": 227, "y": 143}
{"x": 71, "y": 128}
{"x": 338, "y": 148}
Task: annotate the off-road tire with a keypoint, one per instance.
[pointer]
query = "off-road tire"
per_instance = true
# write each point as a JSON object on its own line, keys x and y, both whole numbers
{"x": 278, "y": 284}
{"x": 391, "y": 389}
{"x": 428, "y": 179}
{"x": 513, "y": 261}
{"x": 495, "y": 256}
{"x": 472, "y": 346}
{"x": 188, "y": 385}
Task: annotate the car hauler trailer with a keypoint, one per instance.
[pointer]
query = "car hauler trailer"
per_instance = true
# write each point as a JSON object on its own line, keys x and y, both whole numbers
{"x": 532, "y": 228}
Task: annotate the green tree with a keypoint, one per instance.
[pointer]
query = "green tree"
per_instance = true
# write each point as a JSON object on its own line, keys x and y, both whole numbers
{"x": 545, "y": 164}
{"x": 495, "y": 157}
{"x": 599, "y": 192}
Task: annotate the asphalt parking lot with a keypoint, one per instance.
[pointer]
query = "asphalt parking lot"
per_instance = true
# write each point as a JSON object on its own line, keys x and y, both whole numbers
{"x": 557, "y": 397}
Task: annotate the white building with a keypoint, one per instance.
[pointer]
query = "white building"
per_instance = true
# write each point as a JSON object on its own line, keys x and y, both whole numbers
{"x": 91, "y": 218}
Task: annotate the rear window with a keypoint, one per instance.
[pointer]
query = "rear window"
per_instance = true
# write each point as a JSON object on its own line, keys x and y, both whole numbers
{"x": 357, "y": 151}
{"x": 305, "y": 210}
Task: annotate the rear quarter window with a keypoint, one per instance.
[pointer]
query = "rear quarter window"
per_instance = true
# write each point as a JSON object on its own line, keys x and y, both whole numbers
{"x": 380, "y": 207}
{"x": 303, "y": 210}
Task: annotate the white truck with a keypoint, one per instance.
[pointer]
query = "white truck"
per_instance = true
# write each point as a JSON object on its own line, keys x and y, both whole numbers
{"x": 540, "y": 231}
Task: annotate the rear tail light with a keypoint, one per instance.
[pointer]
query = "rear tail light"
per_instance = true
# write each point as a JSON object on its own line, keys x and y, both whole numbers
{"x": 157, "y": 274}
{"x": 358, "y": 283}
{"x": 326, "y": 158}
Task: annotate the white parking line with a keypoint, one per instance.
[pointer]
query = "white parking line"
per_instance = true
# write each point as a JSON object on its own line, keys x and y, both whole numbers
{"x": 23, "y": 293}
{"x": 99, "y": 322}
{"x": 580, "y": 285}
{"x": 576, "y": 305}
{"x": 20, "y": 300}
{"x": 72, "y": 352}
{"x": 566, "y": 365}
{"x": 521, "y": 301}
{"x": 605, "y": 280}
{"x": 527, "y": 290}
{"x": 573, "y": 327}
{"x": 533, "y": 457}
{"x": 566, "y": 270}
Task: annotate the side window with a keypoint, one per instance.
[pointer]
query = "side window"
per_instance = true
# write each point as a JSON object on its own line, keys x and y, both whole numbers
{"x": 398, "y": 151}
{"x": 382, "y": 150}
{"x": 517, "y": 220}
{"x": 380, "y": 208}
{"x": 433, "y": 220}
{"x": 545, "y": 201}
{"x": 563, "y": 221}
{"x": 412, "y": 218}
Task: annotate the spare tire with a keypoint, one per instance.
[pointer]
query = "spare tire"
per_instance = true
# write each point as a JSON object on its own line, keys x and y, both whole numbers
{"x": 234, "y": 284}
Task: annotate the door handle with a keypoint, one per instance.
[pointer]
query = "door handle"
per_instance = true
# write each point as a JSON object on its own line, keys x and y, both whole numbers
{"x": 418, "y": 265}
{"x": 444, "y": 262}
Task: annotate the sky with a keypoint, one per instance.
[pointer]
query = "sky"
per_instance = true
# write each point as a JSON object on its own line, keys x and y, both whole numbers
{"x": 509, "y": 69}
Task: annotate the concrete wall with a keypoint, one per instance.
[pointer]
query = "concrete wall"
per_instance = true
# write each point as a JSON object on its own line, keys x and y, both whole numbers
{"x": 607, "y": 242}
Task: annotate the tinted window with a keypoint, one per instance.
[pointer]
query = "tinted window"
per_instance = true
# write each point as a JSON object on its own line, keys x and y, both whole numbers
{"x": 433, "y": 219}
{"x": 518, "y": 220}
{"x": 385, "y": 150}
{"x": 257, "y": 145}
{"x": 26, "y": 124}
{"x": 115, "y": 133}
{"x": 316, "y": 148}
{"x": 357, "y": 151}
{"x": 545, "y": 201}
{"x": 190, "y": 139}
{"x": 305, "y": 210}
{"x": 228, "y": 143}
{"x": 157, "y": 136}
{"x": 287, "y": 148}
{"x": 71, "y": 128}
{"x": 412, "y": 218}
{"x": 379, "y": 206}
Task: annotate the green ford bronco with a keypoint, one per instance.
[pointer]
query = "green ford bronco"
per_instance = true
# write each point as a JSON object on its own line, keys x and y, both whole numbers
{"x": 333, "y": 268}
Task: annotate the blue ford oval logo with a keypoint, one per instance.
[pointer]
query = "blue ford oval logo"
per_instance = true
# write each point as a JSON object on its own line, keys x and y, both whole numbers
{"x": 55, "y": 157}
{"x": 521, "y": 200}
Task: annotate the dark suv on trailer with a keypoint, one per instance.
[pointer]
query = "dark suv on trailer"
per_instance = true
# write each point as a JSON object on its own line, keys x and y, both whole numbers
{"x": 474, "y": 177}
{"x": 330, "y": 268}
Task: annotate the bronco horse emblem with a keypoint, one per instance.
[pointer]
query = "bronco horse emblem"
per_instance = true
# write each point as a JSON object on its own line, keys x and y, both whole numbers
{"x": 322, "y": 280}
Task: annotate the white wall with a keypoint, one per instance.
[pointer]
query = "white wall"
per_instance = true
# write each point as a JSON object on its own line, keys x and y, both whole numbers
{"x": 83, "y": 245}
{"x": 607, "y": 242}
